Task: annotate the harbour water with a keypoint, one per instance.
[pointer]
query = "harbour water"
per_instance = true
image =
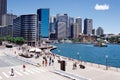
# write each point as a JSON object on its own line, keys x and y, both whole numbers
{"x": 87, "y": 52}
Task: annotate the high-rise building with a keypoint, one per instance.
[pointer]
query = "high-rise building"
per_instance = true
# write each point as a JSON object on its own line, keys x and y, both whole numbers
{"x": 62, "y": 20}
{"x": 61, "y": 30}
{"x": 17, "y": 27}
{"x": 93, "y": 32}
{"x": 26, "y": 26}
{"x": 99, "y": 31}
{"x": 76, "y": 30}
{"x": 88, "y": 25}
{"x": 71, "y": 26}
{"x": 9, "y": 18}
{"x": 3, "y": 12}
{"x": 53, "y": 24}
{"x": 43, "y": 22}
{"x": 6, "y": 31}
{"x": 79, "y": 24}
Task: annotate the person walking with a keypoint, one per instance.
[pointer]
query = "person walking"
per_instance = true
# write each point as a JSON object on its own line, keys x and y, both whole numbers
{"x": 24, "y": 67}
{"x": 43, "y": 63}
{"x": 46, "y": 62}
{"x": 12, "y": 72}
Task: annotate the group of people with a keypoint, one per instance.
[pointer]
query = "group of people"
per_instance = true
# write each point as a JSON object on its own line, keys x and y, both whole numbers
{"x": 47, "y": 60}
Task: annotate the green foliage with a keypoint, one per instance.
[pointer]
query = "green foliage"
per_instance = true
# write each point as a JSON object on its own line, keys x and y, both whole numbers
{"x": 75, "y": 40}
{"x": 115, "y": 39}
{"x": 101, "y": 41}
{"x": 17, "y": 40}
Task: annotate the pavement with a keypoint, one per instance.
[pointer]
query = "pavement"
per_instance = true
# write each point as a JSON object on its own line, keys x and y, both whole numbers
{"x": 34, "y": 72}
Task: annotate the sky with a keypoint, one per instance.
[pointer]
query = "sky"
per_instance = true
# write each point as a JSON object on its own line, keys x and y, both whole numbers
{"x": 105, "y": 13}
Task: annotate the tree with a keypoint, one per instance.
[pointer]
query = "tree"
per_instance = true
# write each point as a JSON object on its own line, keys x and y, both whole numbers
{"x": 114, "y": 39}
{"x": 17, "y": 40}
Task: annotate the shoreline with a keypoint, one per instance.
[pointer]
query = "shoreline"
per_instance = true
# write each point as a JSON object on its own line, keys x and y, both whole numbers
{"x": 91, "y": 71}
{"x": 96, "y": 65}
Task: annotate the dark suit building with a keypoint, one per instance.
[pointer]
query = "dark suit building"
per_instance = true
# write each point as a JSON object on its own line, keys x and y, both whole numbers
{"x": 3, "y": 12}
{"x": 88, "y": 25}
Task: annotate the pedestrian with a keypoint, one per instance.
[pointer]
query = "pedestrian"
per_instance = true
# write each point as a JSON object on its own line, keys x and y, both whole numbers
{"x": 15, "y": 52}
{"x": 46, "y": 62}
{"x": 24, "y": 67}
{"x": 43, "y": 62}
{"x": 52, "y": 61}
{"x": 49, "y": 63}
{"x": 12, "y": 72}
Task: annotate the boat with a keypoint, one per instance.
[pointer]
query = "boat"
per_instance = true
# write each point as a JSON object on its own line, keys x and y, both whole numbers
{"x": 100, "y": 44}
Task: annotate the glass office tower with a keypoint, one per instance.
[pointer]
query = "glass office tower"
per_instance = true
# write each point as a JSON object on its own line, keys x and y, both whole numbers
{"x": 43, "y": 22}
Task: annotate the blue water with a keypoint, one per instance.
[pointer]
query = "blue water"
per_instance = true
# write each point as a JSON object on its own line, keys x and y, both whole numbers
{"x": 89, "y": 53}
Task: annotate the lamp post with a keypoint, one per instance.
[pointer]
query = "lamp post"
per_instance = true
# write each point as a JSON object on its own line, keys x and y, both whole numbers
{"x": 78, "y": 54}
{"x": 58, "y": 52}
{"x": 106, "y": 60}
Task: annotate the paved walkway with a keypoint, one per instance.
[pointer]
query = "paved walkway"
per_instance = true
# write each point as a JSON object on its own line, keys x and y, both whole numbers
{"x": 89, "y": 72}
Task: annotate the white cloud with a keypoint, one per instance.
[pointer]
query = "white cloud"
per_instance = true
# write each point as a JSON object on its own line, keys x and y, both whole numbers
{"x": 101, "y": 7}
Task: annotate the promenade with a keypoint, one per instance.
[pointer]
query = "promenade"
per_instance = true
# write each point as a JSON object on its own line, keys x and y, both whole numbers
{"x": 91, "y": 71}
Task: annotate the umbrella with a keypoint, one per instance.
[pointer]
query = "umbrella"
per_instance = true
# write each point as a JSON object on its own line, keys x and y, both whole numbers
{"x": 35, "y": 50}
{"x": 32, "y": 50}
{"x": 38, "y": 50}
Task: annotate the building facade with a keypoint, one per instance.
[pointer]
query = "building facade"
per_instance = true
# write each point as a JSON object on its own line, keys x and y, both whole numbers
{"x": 71, "y": 26}
{"x": 88, "y": 25}
{"x": 62, "y": 21}
{"x": 99, "y": 31}
{"x": 76, "y": 31}
{"x": 61, "y": 30}
{"x": 43, "y": 22}
{"x": 3, "y": 12}
{"x": 26, "y": 26}
{"x": 6, "y": 31}
{"x": 52, "y": 31}
{"x": 79, "y": 24}
{"x": 9, "y": 18}
{"x": 93, "y": 32}
{"x": 52, "y": 24}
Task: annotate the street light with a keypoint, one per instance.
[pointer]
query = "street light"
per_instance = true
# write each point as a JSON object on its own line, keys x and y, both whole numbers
{"x": 58, "y": 51}
{"x": 106, "y": 60}
{"x": 78, "y": 54}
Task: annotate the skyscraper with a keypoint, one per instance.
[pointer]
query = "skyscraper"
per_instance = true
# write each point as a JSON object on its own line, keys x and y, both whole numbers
{"x": 62, "y": 23}
{"x": 61, "y": 30}
{"x": 26, "y": 26}
{"x": 3, "y": 12}
{"x": 76, "y": 30}
{"x": 88, "y": 25}
{"x": 79, "y": 24}
{"x": 71, "y": 26}
{"x": 9, "y": 18}
{"x": 99, "y": 31}
{"x": 52, "y": 24}
{"x": 52, "y": 30}
{"x": 93, "y": 32}
{"x": 43, "y": 22}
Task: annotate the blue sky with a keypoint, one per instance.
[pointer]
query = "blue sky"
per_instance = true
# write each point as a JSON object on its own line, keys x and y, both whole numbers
{"x": 106, "y": 17}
